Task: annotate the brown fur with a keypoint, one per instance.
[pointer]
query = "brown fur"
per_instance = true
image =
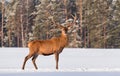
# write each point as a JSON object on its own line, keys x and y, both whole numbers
{"x": 51, "y": 46}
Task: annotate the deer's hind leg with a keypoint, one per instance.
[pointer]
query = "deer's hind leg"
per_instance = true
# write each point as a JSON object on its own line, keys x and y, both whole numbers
{"x": 34, "y": 59}
{"x": 25, "y": 60}
{"x": 57, "y": 59}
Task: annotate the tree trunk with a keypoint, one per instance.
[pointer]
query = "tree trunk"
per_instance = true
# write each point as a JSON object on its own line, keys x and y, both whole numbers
{"x": 22, "y": 20}
{"x": 2, "y": 33}
{"x": 80, "y": 14}
{"x": 65, "y": 9}
{"x": 104, "y": 30}
{"x": 9, "y": 36}
{"x": 22, "y": 30}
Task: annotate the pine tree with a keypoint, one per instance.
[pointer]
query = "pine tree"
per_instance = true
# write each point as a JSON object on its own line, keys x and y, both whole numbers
{"x": 114, "y": 24}
{"x": 43, "y": 28}
{"x": 94, "y": 19}
{"x": 19, "y": 21}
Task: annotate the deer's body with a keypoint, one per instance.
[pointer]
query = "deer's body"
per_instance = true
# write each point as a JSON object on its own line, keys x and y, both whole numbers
{"x": 51, "y": 46}
{"x": 48, "y": 47}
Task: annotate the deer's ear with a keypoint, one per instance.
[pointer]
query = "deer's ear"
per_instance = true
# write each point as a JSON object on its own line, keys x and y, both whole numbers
{"x": 69, "y": 26}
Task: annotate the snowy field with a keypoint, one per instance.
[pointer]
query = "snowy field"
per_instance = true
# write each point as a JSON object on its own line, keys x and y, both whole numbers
{"x": 84, "y": 62}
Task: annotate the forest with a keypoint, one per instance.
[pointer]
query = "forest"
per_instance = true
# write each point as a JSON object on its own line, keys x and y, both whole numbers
{"x": 95, "y": 23}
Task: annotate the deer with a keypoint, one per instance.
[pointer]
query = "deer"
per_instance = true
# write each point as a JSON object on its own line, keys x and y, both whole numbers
{"x": 55, "y": 46}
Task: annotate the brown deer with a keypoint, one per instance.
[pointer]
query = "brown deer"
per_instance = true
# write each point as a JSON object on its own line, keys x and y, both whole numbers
{"x": 48, "y": 47}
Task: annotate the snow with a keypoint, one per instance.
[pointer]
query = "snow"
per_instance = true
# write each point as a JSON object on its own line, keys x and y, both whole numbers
{"x": 73, "y": 61}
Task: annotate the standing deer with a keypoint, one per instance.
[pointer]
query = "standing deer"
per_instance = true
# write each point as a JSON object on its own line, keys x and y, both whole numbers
{"x": 48, "y": 47}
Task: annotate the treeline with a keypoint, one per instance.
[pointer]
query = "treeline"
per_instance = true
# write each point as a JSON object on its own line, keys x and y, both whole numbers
{"x": 96, "y": 22}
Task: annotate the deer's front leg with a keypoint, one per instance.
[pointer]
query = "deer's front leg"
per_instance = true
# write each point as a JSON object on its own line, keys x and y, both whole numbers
{"x": 57, "y": 59}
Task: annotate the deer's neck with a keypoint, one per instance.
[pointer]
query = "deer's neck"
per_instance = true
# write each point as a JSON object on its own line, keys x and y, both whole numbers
{"x": 64, "y": 37}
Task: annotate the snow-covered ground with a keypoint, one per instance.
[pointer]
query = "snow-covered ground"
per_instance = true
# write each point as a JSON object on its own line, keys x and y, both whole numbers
{"x": 72, "y": 61}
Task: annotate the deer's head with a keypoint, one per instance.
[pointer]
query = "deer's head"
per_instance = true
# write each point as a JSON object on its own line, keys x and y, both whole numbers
{"x": 64, "y": 29}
